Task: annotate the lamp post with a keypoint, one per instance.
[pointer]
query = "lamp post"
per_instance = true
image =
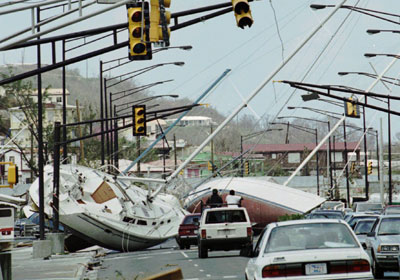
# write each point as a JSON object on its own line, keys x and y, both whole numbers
{"x": 389, "y": 117}
{"x": 247, "y": 137}
{"x": 122, "y": 78}
{"x": 329, "y": 161}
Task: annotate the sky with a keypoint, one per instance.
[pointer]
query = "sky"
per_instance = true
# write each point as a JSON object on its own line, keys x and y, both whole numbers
{"x": 252, "y": 54}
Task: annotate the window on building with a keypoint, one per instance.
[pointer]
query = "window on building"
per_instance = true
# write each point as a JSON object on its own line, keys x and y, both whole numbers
{"x": 293, "y": 157}
{"x": 59, "y": 99}
{"x": 337, "y": 157}
{"x": 273, "y": 156}
{"x": 12, "y": 159}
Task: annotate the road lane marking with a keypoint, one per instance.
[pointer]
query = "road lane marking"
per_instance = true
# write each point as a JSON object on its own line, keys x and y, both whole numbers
{"x": 196, "y": 265}
{"x": 230, "y": 277}
{"x": 201, "y": 270}
{"x": 184, "y": 254}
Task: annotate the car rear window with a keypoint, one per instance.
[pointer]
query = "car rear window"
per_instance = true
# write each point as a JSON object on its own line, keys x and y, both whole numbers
{"x": 225, "y": 216}
{"x": 5, "y": 213}
{"x": 189, "y": 220}
{"x": 310, "y": 236}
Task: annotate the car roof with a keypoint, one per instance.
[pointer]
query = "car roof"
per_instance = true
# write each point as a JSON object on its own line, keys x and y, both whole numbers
{"x": 193, "y": 214}
{"x": 312, "y": 221}
{"x": 390, "y": 216}
{"x": 224, "y": 208}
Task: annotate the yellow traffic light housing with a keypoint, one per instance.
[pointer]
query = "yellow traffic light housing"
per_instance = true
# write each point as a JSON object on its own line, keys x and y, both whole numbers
{"x": 138, "y": 26}
{"x": 139, "y": 120}
{"x": 351, "y": 109}
{"x": 246, "y": 168}
{"x": 159, "y": 21}
{"x": 12, "y": 177}
{"x": 369, "y": 167}
{"x": 209, "y": 166}
{"x": 242, "y": 11}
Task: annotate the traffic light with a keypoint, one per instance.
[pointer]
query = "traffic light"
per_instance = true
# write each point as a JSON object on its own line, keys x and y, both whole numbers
{"x": 369, "y": 167}
{"x": 241, "y": 8}
{"x": 209, "y": 166}
{"x": 246, "y": 168}
{"x": 351, "y": 109}
{"x": 353, "y": 167}
{"x": 139, "y": 120}
{"x": 12, "y": 174}
{"x": 138, "y": 26}
{"x": 159, "y": 20}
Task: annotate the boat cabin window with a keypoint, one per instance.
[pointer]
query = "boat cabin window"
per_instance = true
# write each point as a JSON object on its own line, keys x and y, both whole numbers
{"x": 142, "y": 222}
{"x": 154, "y": 223}
{"x": 128, "y": 220}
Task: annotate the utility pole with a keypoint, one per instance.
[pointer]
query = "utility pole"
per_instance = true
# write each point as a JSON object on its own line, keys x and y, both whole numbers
{"x": 212, "y": 151}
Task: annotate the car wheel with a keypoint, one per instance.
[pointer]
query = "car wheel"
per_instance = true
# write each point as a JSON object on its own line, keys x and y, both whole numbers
{"x": 377, "y": 270}
{"x": 245, "y": 251}
{"x": 203, "y": 252}
{"x": 187, "y": 247}
{"x": 181, "y": 246}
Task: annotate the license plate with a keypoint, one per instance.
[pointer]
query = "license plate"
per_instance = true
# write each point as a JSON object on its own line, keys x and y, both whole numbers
{"x": 316, "y": 268}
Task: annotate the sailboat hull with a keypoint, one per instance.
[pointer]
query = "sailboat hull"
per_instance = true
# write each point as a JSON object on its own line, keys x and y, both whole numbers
{"x": 265, "y": 201}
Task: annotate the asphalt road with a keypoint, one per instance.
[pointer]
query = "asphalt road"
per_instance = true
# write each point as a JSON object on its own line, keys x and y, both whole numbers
{"x": 138, "y": 265}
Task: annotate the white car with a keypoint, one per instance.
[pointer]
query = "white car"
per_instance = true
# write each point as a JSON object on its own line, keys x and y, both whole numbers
{"x": 308, "y": 249}
{"x": 225, "y": 228}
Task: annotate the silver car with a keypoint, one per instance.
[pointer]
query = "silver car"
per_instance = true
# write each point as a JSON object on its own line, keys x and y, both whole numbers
{"x": 383, "y": 244}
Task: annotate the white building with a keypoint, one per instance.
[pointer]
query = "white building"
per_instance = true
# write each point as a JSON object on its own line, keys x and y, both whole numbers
{"x": 192, "y": 121}
{"x": 21, "y": 134}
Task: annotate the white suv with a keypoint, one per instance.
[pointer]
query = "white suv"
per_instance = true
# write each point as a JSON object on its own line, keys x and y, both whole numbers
{"x": 225, "y": 228}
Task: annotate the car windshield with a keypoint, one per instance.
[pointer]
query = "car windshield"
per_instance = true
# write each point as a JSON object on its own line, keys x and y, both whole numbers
{"x": 363, "y": 207}
{"x": 225, "y": 216}
{"x": 354, "y": 220}
{"x": 389, "y": 226}
{"x": 326, "y": 215}
{"x": 392, "y": 210}
{"x": 363, "y": 227}
{"x": 189, "y": 220}
{"x": 310, "y": 236}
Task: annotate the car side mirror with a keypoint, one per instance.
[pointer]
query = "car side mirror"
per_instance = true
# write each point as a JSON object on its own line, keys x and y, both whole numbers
{"x": 371, "y": 234}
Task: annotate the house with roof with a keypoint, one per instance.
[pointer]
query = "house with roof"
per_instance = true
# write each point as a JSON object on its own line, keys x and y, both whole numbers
{"x": 289, "y": 156}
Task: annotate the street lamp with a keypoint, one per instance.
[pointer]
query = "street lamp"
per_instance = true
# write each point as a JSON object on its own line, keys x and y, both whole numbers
{"x": 382, "y": 54}
{"x": 247, "y": 137}
{"x": 376, "y": 31}
{"x": 364, "y": 11}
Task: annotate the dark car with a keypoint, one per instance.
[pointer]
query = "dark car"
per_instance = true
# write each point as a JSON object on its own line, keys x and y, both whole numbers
{"x": 361, "y": 229}
{"x": 188, "y": 230}
{"x": 391, "y": 210}
{"x": 360, "y": 216}
{"x": 325, "y": 214}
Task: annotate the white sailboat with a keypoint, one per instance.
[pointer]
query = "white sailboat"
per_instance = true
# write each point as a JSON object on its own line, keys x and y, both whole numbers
{"x": 109, "y": 212}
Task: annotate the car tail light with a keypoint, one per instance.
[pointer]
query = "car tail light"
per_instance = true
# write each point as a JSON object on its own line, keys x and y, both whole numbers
{"x": 273, "y": 271}
{"x": 282, "y": 270}
{"x": 349, "y": 266}
{"x": 6, "y": 231}
{"x": 203, "y": 233}
{"x": 249, "y": 232}
{"x": 358, "y": 266}
{"x": 337, "y": 267}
